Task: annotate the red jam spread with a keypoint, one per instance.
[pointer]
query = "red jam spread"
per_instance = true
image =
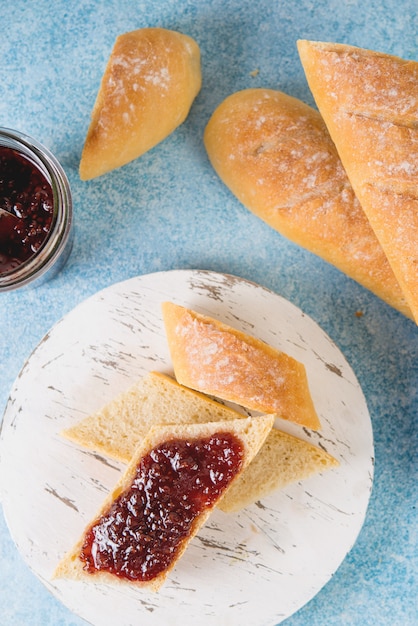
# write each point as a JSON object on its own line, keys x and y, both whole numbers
{"x": 144, "y": 528}
{"x": 26, "y": 194}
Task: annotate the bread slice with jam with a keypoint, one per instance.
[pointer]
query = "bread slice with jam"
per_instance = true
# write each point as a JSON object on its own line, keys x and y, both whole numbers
{"x": 176, "y": 477}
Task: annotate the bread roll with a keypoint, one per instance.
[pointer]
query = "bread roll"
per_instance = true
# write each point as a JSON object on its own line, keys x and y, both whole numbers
{"x": 275, "y": 154}
{"x": 175, "y": 479}
{"x": 151, "y": 79}
{"x": 214, "y": 358}
{"x": 369, "y": 101}
{"x": 117, "y": 429}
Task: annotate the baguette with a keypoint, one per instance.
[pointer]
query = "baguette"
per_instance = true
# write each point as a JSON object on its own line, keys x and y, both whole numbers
{"x": 175, "y": 479}
{"x": 369, "y": 103}
{"x": 214, "y": 358}
{"x": 117, "y": 429}
{"x": 276, "y": 156}
{"x": 150, "y": 82}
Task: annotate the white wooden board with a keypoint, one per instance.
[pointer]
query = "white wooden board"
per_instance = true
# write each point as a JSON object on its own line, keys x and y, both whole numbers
{"x": 256, "y": 567}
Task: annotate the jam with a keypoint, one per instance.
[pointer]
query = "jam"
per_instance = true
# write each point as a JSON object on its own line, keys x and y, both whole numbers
{"x": 141, "y": 533}
{"x": 26, "y": 194}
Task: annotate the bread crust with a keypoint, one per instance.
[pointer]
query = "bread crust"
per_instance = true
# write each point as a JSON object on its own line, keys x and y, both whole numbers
{"x": 219, "y": 360}
{"x": 275, "y": 154}
{"x": 369, "y": 101}
{"x": 150, "y": 82}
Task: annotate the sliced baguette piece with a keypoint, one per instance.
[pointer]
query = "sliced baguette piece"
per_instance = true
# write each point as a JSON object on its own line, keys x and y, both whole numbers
{"x": 276, "y": 156}
{"x": 369, "y": 102}
{"x": 150, "y": 82}
{"x": 219, "y": 360}
{"x": 283, "y": 459}
{"x": 117, "y": 428}
{"x": 244, "y": 436}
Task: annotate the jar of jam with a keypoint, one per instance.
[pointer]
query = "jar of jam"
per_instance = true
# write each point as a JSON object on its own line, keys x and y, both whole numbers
{"x": 35, "y": 212}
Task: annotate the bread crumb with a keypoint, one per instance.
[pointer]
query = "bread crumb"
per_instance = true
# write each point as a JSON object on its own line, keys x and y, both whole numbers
{"x": 254, "y": 73}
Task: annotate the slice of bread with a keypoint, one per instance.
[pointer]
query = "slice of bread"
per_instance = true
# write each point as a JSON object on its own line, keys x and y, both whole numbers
{"x": 117, "y": 429}
{"x": 154, "y": 480}
{"x": 216, "y": 359}
{"x": 275, "y": 154}
{"x": 369, "y": 103}
{"x": 283, "y": 459}
{"x": 119, "y": 426}
{"x": 151, "y": 80}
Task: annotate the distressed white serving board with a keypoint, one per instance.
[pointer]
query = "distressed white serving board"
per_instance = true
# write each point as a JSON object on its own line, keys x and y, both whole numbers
{"x": 256, "y": 567}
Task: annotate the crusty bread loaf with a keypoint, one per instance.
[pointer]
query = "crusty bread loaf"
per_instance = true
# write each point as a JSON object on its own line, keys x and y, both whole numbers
{"x": 151, "y": 79}
{"x": 249, "y": 433}
{"x": 283, "y": 459}
{"x": 369, "y": 102}
{"x": 117, "y": 428}
{"x": 275, "y": 154}
{"x": 219, "y": 360}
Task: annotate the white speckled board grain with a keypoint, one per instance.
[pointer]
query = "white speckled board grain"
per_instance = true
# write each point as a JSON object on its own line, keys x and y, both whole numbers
{"x": 274, "y": 556}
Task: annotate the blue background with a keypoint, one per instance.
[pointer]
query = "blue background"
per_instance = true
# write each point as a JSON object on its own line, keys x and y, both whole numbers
{"x": 168, "y": 210}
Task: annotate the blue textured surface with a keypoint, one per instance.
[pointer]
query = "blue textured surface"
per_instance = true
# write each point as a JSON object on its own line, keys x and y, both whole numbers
{"x": 168, "y": 210}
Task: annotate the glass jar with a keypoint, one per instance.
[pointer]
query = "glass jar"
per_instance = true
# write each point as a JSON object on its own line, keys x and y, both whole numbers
{"x": 54, "y": 250}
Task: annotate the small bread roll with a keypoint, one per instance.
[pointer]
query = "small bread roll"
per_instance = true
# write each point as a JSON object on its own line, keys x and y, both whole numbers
{"x": 151, "y": 79}
{"x": 275, "y": 154}
{"x": 369, "y": 103}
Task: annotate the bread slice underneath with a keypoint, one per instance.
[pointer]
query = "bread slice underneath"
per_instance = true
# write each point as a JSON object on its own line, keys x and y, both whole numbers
{"x": 249, "y": 433}
{"x": 369, "y": 103}
{"x": 275, "y": 154}
{"x": 283, "y": 459}
{"x": 150, "y": 82}
{"x": 118, "y": 427}
{"x": 216, "y": 359}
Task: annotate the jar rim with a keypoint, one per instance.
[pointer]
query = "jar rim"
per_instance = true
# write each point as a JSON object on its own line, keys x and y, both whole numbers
{"x": 58, "y": 238}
